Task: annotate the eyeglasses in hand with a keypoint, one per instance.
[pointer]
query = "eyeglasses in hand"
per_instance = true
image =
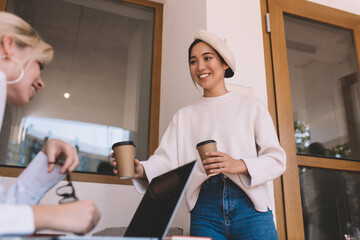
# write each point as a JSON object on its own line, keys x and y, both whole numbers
{"x": 67, "y": 192}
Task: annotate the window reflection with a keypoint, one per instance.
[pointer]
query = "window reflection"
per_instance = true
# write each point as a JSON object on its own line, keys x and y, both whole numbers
{"x": 305, "y": 146}
{"x": 325, "y": 88}
{"x": 331, "y": 204}
{"x": 93, "y": 141}
{"x": 103, "y": 61}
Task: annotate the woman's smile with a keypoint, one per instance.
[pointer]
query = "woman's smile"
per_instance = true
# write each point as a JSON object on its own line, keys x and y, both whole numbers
{"x": 204, "y": 75}
{"x": 33, "y": 88}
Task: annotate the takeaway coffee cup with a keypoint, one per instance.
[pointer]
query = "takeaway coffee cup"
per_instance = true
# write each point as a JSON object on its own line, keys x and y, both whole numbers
{"x": 206, "y": 146}
{"x": 124, "y": 153}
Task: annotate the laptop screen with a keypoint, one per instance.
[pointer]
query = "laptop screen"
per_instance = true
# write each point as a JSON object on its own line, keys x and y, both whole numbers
{"x": 158, "y": 206}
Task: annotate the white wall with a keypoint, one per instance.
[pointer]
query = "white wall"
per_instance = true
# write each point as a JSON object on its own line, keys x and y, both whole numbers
{"x": 352, "y": 6}
{"x": 182, "y": 18}
{"x": 237, "y": 20}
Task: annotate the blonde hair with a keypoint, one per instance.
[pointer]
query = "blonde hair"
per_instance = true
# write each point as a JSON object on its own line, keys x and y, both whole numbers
{"x": 25, "y": 36}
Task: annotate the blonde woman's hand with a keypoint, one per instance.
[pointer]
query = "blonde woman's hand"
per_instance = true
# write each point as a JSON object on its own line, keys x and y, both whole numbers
{"x": 219, "y": 162}
{"x": 54, "y": 149}
{"x": 77, "y": 217}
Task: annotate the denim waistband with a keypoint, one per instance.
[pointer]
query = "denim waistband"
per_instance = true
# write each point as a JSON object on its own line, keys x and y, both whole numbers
{"x": 220, "y": 178}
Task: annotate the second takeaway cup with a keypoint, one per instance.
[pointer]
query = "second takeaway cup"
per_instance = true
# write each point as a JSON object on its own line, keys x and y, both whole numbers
{"x": 124, "y": 153}
{"x": 206, "y": 146}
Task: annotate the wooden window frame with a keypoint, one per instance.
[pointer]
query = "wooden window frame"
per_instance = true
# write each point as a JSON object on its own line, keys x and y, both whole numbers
{"x": 287, "y": 189}
{"x": 10, "y": 171}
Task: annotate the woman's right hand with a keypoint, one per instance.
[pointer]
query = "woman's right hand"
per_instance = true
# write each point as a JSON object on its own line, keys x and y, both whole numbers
{"x": 139, "y": 171}
{"x": 76, "y": 217}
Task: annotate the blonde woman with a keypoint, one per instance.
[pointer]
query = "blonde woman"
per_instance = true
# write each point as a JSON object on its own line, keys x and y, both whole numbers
{"x": 22, "y": 56}
{"x": 236, "y": 203}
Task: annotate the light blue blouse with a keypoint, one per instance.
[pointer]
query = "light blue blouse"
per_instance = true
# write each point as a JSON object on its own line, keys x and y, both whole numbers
{"x": 16, "y": 215}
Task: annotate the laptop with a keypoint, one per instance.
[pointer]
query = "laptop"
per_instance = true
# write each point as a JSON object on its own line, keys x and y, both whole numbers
{"x": 158, "y": 206}
{"x": 155, "y": 212}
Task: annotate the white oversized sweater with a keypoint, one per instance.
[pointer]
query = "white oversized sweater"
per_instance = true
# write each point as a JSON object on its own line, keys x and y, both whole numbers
{"x": 238, "y": 124}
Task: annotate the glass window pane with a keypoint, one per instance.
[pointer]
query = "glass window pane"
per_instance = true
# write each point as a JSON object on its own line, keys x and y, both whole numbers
{"x": 98, "y": 87}
{"x": 331, "y": 203}
{"x": 325, "y": 88}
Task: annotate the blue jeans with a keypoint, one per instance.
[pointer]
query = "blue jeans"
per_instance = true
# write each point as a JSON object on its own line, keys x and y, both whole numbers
{"x": 223, "y": 211}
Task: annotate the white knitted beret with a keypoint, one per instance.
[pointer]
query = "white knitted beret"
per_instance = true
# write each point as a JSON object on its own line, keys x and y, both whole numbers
{"x": 220, "y": 46}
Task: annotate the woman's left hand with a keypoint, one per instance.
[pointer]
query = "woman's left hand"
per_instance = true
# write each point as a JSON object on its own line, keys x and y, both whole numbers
{"x": 219, "y": 162}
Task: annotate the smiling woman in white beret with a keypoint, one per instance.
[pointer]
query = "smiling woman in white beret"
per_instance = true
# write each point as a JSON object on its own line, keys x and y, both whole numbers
{"x": 235, "y": 203}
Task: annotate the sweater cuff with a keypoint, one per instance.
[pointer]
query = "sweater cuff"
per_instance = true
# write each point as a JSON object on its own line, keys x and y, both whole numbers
{"x": 36, "y": 181}
{"x": 244, "y": 178}
{"x": 151, "y": 170}
{"x": 16, "y": 220}
{"x": 140, "y": 185}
